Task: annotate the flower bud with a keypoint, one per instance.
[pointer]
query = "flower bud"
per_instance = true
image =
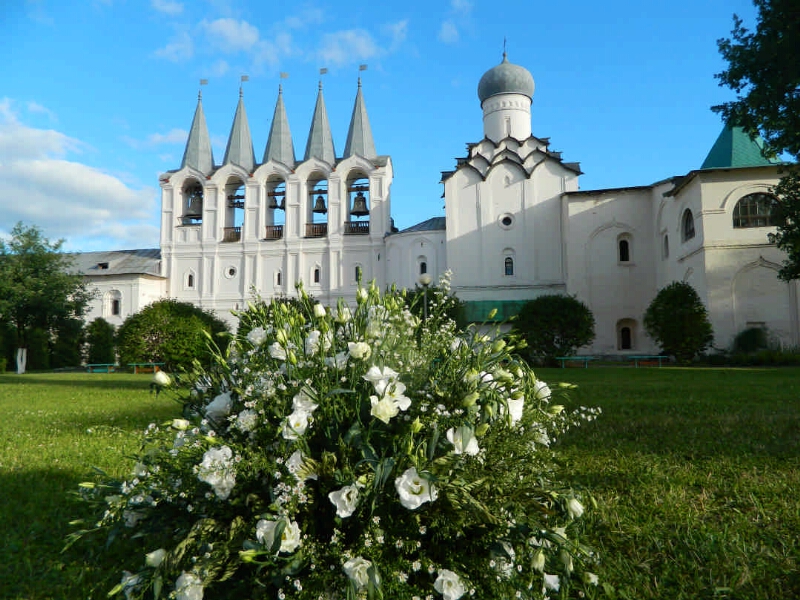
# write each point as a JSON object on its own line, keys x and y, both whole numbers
{"x": 280, "y": 335}
{"x": 492, "y": 314}
{"x": 498, "y": 345}
{"x": 362, "y": 295}
{"x": 291, "y": 357}
{"x": 470, "y": 399}
{"x": 517, "y": 395}
{"x": 416, "y": 426}
{"x": 319, "y": 311}
{"x": 155, "y": 558}
{"x": 481, "y": 429}
{"x": 556, "y": 409}
{"x": 181, "y": 424}
{"x": 538, "y": 561}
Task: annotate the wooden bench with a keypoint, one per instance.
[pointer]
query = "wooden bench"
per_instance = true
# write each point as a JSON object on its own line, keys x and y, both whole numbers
{"x": 100, "y": 368}
{"x": 147, "y": 367}
{"x": 646, "y": 359}
{"x": 584, "y": 359}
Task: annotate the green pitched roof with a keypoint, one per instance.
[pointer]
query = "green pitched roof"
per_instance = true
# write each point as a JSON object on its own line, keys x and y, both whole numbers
{"x": 734, "y": 149}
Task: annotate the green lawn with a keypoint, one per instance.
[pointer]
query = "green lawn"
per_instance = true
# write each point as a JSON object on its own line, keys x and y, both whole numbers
{"x": 695, "y": 472}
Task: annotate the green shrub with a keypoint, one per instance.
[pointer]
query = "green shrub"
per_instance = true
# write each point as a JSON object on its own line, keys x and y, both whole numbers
{"x": 678, "y": 322}
{"x": 555, "y": 325}
{"x": 100, "y": 340}
{"x": 751, "y": 340}
{"x": 2, "y": 364}
{"x": 170, "y": 332}
{"x": 67, "y": 347}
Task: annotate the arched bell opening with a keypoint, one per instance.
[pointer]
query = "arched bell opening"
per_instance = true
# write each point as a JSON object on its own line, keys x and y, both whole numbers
{"x": 192, "y": 203}
{"x": 276, "y": 208}
{"x": 234, "y": 210}
{"x": 358, "y": 205}
{"x": 317, "y": 207}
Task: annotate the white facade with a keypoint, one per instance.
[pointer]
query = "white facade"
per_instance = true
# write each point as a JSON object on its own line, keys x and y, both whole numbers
{"x": 516, "y": 226}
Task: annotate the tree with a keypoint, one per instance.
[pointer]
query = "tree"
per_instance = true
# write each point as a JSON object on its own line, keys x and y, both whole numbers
{"x": 678, "y": 321}
{"x": 764, "y": 71}
{"x": 555, "y": 325}
{"x": 38, "y": 287}
{"x": 100, "y": 340}
{"x": 170, "y": 332}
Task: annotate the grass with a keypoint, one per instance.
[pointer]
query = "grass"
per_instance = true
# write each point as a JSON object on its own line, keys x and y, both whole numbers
{"x": 695, "y": 472}
{"x": 696, "y": 476}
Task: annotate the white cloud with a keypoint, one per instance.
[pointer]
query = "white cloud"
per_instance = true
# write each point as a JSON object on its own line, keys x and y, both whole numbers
{"x": 272, "y": 51}
{"x": 35, "y": 107}
{"x": 180, "y": 49}
{"x": 174, "y": 136}
{"x": 448, "y": 33}
{"x": 463, "y": 7}
{"x": 168, "y": 7}
{"x": 308, "y": 16}
{"x": 230, "y": 35}
{"x": 219, "y": 68}
{"x": 347, "y": 47}
{"x": 40, "y": 185}
{"x": 397, "y": 32}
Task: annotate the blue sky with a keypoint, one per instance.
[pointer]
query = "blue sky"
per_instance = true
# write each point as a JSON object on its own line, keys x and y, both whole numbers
{"x": 97, "y": 96}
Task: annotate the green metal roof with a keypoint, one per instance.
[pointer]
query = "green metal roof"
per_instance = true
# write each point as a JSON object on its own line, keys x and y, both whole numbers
{"x": 734, "y": 149}
{"x": 477, "y": 311}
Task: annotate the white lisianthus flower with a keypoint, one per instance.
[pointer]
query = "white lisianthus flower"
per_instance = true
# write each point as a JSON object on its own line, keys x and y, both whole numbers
{"x": 414, "y": 491}
{"x": 343, "y": 314}
{"x": 246, "y": 421}
{"x": 257, "y": 336}
{"x": 155, "y": 558}
{"x": 463, "y": 440}
{"x": 296, "y": 424}
{"x": 188, "y": 587}
{"x": 338, "y": 362}
{"x": 383, "y": 409}
{"x": 312, "y": 342}
{"x": 449, "y": 585}
{"x": 319, "y": 311}
{"x": 541, "y": 391}
{"x": 129, "y": 583}
{"x": 515, "y": 409}
{"x": 574, "y": 508}
{"x": 290, "y": 537}
{"x": 357, "y": 569}
{"x": 345, "y": 500}
{"x": 220, "y": 407}
{"x": 362, "y": 295}
{"x": 217, "y": 470}
{"x": 277, "y": 351}
{"x": 359, "y": 350}
{"x": 551, "y": 582}
{"x": 162, "y": 379}
{"x": 376, "y": 374}
{"x": 296, "y": 465}
{"x": 302, "y": 402}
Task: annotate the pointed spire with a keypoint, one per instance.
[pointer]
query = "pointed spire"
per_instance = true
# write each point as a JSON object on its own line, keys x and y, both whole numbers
{"x": 734, "y": 148}
{"x": 279, "y": 144}
{"x": 240, "y": 145}
{"x": 198, "y": 153}
{"x": 320, "y": 140}
{"x": 359, "y": 136}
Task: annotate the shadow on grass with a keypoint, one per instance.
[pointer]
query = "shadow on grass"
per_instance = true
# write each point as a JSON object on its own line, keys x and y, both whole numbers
{"x": 35, "y": 511}
{"x": 126, "y": 381}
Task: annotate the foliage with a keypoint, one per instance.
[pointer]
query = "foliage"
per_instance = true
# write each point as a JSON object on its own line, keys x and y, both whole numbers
{"x": 764, "y": 71}
{"x": 351, "y": 454}
{"x": 168, "y": 331}
{"x": 38, "y": 343}
{"x": 100, "y": 342}
{"x": 750, "y": 340}
{"x": 67, "y": 347}
{"x": 38, "y": 287}
{"x": 452, "y": 308}
{"x": 555, "y": 325}
{"x": 678, "y": 321}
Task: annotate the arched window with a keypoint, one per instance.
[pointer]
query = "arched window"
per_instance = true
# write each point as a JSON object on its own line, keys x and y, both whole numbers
{"x": 316, "y": 274}
{"x": 687, "y": 225}
{"x": 423, "y": 268}
{"x": 626, "y": 334}
{"x": 755, "y": 210}
{"x": 509, "y": 266}
{"x": 665, "y": 251}
{"x": 278, "y": 278}
{"x": 358, "y": 273}
{"x": 190, "y": 281}
{"x": 112, "y": 306}
{"x": 624, "y": 250}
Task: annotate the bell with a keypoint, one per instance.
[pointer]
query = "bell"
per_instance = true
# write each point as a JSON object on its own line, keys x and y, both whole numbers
{"x": 359, "y": 205}
{"x": 273, "y": 202}
{"x": 195, "y": 207}
{"x": 319, "y": 205}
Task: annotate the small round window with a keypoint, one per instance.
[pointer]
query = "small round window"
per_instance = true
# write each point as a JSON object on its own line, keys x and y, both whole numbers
{"x": 230, "y": 272}
{"x": 506, "y": 221}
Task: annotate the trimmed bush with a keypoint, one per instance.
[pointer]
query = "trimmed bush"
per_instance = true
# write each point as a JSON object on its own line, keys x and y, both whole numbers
{"x": 678, "y": 322}
{"x": 100, "y": 340}
{"x": 751, "y": 340}
{"x": 170, "y": 332}
{"x": 554, "y": 325}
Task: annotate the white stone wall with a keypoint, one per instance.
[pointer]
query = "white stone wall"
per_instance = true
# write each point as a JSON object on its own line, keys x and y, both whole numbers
{"x": 134, "y": 292}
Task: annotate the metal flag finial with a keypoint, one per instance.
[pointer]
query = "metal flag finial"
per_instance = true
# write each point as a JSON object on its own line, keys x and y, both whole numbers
{"x": 200, "y": 91}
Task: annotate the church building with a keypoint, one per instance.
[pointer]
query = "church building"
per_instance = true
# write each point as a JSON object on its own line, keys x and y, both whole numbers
{"x": 516, "y": 226}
